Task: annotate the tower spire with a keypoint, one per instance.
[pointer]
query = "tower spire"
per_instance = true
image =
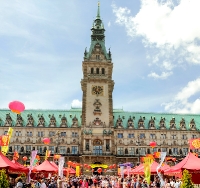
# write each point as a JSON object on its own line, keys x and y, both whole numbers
{"x": 98, "y": 11}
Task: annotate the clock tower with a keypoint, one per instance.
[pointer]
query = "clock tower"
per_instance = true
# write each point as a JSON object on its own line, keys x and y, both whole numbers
{"x": 97, "y": 86}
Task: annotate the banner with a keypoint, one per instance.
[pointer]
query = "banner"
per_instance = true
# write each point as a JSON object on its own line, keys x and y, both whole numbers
{"x": 47, "y": 154}
{"x": 4, "y": 140}
{"x": 147, "y": 168}
{"x": 122, "y": 170}
{"x": 33, "y": 156}
{"x": 4, "y": 149}
{"x": 162, "y": 158}
{"x": 194, "y": 143}
{"x": 60, "y": 166}
{"x": 77, "y": 171}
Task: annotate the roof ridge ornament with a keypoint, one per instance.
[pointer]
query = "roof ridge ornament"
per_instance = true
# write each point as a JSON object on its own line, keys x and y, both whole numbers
{"x": 98, "y": 11}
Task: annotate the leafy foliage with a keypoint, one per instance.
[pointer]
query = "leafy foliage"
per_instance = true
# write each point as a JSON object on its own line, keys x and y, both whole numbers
{"x": 186, "y": 180}
{"x": 4, "y": 183}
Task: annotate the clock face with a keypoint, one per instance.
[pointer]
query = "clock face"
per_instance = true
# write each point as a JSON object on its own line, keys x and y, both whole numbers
{"x": 97, "y": 90}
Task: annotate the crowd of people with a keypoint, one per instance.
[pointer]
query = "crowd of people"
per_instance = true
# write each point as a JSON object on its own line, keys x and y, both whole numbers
{"x": 96, "y": 181}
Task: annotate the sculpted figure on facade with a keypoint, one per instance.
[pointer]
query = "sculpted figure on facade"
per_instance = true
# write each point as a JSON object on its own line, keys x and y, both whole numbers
{"x": 182, "y": 124}
{"x": 30, "y": 121}
{"x": 8, "y": 121}
{"x": 63, "y": 121}
{"x": 19, "y": 121}
{"x": 119, "y": 123}
{"x": 192, "y": 124}
{"x": 162, "y": 123}
{"x": 172, "y": 123}
{"x": 75, "y": 121}
{"x": 141, "y": 123}
{"x": 41, "y": 122}
{"x": 152, "y": 123}
{"x": 130, "y": 123}
{"x": 52, "y": 121}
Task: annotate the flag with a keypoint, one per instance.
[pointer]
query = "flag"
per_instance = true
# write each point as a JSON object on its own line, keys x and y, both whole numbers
{"x": 4, "y": 149}
{"x": 16, "y": 156}
{"x": 33, "y": 156}
{"x": 4, "y": 140}
{"x": 60, "y": 166}
{"x": 77, "y": 170}
{"x": 162, "y": 158}
{"x": 194, "y": 143}
{"x": 147, "y": 168}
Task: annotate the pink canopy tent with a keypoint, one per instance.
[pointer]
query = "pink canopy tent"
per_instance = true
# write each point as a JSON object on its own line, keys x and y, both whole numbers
{"x": 46, "y": 166}
{"x": 20, "y": 165}
{"x": 5, "y": 163}
{"x": 154, "y": 166}
{"x": 191, "y": 163}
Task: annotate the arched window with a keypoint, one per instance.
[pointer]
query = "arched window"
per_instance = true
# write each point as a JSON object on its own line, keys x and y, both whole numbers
{"x": 92, "y": 70}
{"x": 97, "y": 70}
{"x": 103, "y": 71}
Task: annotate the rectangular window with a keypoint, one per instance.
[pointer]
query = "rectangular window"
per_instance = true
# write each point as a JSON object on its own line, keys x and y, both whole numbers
{"x": 28, "y": 148}
{"x": 173, "y": 136}
{"x": 5, "y": 132}
{"x": 185, "y": 151}
{"x": 120, "y": 135}
{"x": 154, "y": 150}
{"x": 164, "y": 149}
{"x": 184, "y": 137}
{"x": 130, "y": 135}
{"x": 142, "y": 151}
{"x": 74, "y": 134}
{"x": 74, "y": 149}
{"x": 29, "y": 134}
{"x": 152, "y": 136}
{"x": 40, "y": 134}
{"x": 62, "y": 149}
{"x": 163, "y": 136}
{"x": 51, "y": 133}
{"x": 18, "y": 133}
{"x": 63, "y": 134}
{"x": 120, "y": 151}
{"x": 194, "y": 136}
{"x": 51, "y": 148}
{"x": 17, "y": 148}
{"x": 132, "y": 151}
{"x": 175, "y": 151}
{"x": 142, "y": 135}
{"x": 40, "y": 149}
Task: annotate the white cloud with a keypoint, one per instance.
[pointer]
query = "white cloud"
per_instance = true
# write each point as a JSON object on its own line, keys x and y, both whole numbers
{"x": 76, "y": 103}
{"x": 164, "y": 75}
{"x": 181, "y": 103}
{"x": 172, "y": 30}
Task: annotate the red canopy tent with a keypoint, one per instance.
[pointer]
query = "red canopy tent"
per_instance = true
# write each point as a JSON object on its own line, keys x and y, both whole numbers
{"x": 5, "y": 163}
{"x": 136, "y": 169}
{"x": 46, "y": 166}
{"x": 154, "y": 166}
{"x": 72, "y": 171}
{"x": 191, "y": 163}
{"x": 20, "y": 165}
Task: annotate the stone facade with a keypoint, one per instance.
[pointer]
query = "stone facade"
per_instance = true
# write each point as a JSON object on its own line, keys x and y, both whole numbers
{"x": 97, "y": 133}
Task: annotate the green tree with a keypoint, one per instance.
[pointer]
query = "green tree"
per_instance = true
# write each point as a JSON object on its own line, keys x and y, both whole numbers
{"x": 4, "y": 183}
{"x": 186, "y": 180}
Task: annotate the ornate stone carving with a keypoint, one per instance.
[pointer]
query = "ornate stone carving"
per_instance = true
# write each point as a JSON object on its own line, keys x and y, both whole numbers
{"x": 97, "y": 104}
{"x": 19, "y": 121}
{"x": 130, "y": 123}
{"x": 52, "y": 121}
{"x": 30, "y": 121}
{"x": 192, "y": 124}
{"x": 8, "y": 121}
{"x": 41, "y": 122}
{"x": 172, "y": 123}
{"x": 182, "y": 124}
{"x": 75, "y": 121}
{"x": 87, "y": 132}
{"x": 97, "y": 121}
{"x": 97, "y": 142}
{"x": 107, "y": 132}
{"x": 141, "y": 123}
{"x": 152, "y": 123}
{"x": 63, "y": 121}
{"x": 119, "y": 123}
{"x": 162, "y": 123}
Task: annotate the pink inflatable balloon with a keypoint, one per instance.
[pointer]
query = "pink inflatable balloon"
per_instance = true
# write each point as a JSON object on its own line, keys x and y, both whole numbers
{"x": 16, "y": 107}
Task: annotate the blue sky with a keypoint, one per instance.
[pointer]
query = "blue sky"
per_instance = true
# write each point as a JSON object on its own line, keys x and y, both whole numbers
{"x": 155, "y": 47}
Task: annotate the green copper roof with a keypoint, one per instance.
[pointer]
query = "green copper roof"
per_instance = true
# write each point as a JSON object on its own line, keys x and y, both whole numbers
{"x": 146, "y": 117}
{"x": 97, "y": 37}
{"x": 47, "y": 114}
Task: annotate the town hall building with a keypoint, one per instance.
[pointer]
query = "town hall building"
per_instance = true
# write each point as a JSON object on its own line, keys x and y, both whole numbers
{"x": 97, "y": 133}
